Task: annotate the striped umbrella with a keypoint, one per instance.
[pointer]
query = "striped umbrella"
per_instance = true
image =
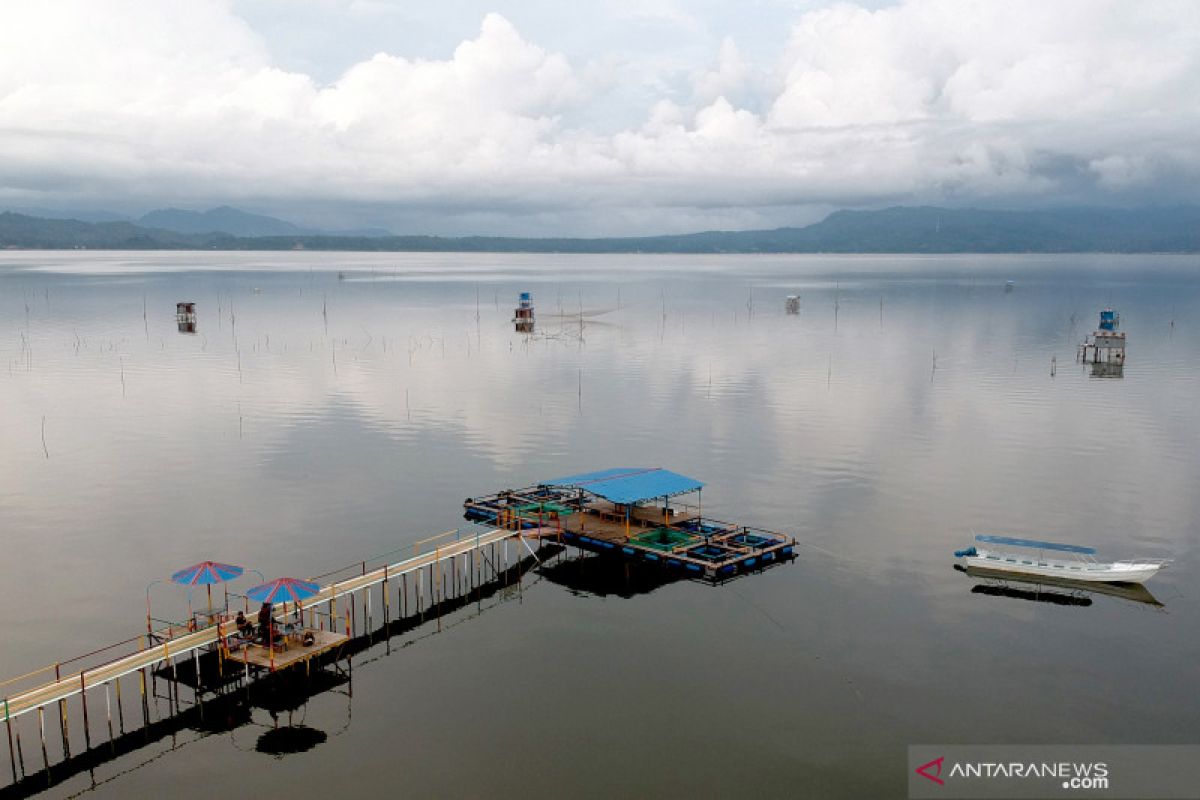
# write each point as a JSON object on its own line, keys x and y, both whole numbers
{"x": 283, "y": 590}
{"x": 206, "y": 573}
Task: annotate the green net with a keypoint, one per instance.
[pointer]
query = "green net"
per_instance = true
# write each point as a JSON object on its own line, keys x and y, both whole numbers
{"x": 533, "y": 509}
{"x": 663, "y": 539}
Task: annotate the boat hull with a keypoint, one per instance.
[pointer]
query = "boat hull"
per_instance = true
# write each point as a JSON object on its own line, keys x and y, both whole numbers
{"x": 1116, "y": 572}
{"x": 1133, "y": 592}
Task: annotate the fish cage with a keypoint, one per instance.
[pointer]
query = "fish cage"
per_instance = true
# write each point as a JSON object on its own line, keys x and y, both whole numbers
{"x": 1107, "y": 344}
{"x": 185, "y": 317}
{"x": 636, "y": 513}
{"x": 523, "y": 316}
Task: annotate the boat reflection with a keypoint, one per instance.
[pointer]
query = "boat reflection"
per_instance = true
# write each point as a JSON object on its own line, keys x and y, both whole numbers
{"x": 1057, "y": 591}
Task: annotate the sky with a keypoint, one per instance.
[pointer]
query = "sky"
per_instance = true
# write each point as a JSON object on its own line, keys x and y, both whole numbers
{"x": 595, "y": 117}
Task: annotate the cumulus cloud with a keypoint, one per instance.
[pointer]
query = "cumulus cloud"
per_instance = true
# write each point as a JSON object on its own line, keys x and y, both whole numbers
{"x": 927, "y": 100}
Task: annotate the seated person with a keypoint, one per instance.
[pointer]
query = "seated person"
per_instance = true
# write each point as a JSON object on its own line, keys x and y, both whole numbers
{"x": 266, "y": 624}
{"x": 244, "y": 626}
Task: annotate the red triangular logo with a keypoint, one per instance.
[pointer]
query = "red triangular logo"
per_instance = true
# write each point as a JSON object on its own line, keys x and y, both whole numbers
{"x": 936, "y": 764}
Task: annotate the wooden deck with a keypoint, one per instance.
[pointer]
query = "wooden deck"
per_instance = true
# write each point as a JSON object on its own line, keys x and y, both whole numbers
{"x": 603, "y": 521}
{"x": 289, "y": 651}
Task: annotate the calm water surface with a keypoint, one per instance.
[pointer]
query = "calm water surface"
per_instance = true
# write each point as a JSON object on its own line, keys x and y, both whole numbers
{"x": 315, "y": 420}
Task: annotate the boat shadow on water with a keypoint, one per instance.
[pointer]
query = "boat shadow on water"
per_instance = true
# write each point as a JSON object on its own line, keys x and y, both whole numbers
{"x": 1056, "y": 591}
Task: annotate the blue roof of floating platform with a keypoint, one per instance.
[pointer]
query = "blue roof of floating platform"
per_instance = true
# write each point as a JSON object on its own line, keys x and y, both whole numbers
{"x": 1065, "y": 548}
{"x": 630, "y": 485}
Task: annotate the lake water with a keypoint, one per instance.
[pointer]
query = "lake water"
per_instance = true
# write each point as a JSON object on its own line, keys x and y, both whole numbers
{"x": 314, "y": 420}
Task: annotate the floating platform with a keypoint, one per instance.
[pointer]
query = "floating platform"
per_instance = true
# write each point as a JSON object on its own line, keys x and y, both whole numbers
{"x": 609, "y": 512}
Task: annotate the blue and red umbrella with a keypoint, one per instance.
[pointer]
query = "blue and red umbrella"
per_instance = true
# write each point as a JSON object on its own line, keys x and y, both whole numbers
{"x": 207, "y": 572}
{"x": 283, "y": 590}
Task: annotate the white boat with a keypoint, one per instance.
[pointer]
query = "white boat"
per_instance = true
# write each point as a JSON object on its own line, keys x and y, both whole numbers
{"x": 1081, "y": 567}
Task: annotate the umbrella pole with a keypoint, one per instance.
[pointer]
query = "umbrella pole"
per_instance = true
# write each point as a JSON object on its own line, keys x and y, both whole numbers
{"x": 209, "y": 586}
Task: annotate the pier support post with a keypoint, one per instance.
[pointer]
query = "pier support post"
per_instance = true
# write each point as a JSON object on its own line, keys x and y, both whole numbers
{"x": 175, "y": 682}
{"x": 20, "y": 752}
{"x": 11, "y": 756}
{"x": 120, "y": 708}
{"x": 386, "y": 600}
{"x": 145, "y": 700}
{"x": 62, "y": 717}
{"x": 108, "y": 715}
{"x": 42, "y": 731}
{"x": 198, "y": 695}
{"x": 87, "y": 734}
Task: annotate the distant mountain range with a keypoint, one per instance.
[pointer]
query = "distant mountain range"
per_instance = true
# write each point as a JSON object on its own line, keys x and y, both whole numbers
{"x": 1174, "y": 229}
{"x": 222, "y": 220}
{"x": 235, "y": 222}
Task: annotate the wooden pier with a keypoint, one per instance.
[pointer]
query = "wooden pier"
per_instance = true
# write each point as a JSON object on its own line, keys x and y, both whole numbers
{"x": 440, "y": 568}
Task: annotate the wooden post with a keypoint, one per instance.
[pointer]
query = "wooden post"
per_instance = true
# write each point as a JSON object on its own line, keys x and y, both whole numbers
{"x": 196, "y": 664}
{"x": 145, "y": 702}
{"x": 175, "y": 681}
{"x": 62, "y": 717}
{"x": 221, "y": 644}
{"x": 108, "y": 715}
{"x": 120, "y": 708}
{"x": 87, "y": 735}
{"x": 42, "y": 731}
{"x": 437, "y": 592}
{"x": 8, "y": 725}
{"x": 20, "y": 752}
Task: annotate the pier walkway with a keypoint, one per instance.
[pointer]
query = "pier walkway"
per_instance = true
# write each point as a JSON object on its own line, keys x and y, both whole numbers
{"x": 173, "y": 648}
